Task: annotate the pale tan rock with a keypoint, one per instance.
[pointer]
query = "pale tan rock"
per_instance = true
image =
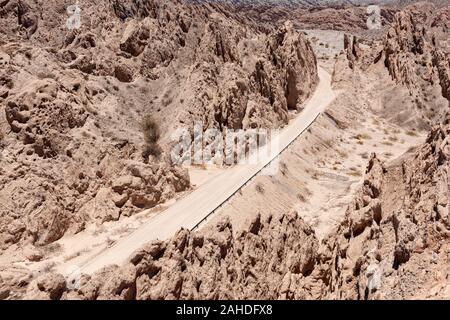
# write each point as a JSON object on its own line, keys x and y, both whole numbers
{"x": 104, "y": 206}
{"x": 134, "y": 38}
{"x": 214, "y": 265}
{"x": 4, "y": 290}
{"x": 52, "y": 285}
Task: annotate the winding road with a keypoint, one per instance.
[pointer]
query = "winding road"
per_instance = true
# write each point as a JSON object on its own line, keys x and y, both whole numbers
{"x": 190, "y": 211}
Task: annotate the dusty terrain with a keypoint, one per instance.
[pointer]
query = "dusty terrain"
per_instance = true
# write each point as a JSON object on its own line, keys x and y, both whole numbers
{"x": 357, "y": 210}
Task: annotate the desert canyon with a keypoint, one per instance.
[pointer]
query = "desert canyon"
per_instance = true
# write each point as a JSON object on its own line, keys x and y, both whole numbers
{"x": 358, "y": 208}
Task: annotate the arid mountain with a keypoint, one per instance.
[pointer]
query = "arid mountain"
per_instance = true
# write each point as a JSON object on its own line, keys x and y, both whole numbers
{"x": 418, "y": 57}
{"x": 346, "y": 15}
{"x": 215, "y": 265}
{"x": 335, "y": 17}
{"x": 304, "y": 3}
{"x": 325, "y": 3}
{"x": 87, "y": 114}
{"x": 416, "y": 53}
{"x": 393, "y": 242}
{"x": 75, "y": 104}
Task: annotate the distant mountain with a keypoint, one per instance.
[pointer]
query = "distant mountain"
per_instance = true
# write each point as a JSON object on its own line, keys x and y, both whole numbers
{"x": 307, "y": 3}
{"x": 326, "y": 3}
{"x": 439, "y": 3}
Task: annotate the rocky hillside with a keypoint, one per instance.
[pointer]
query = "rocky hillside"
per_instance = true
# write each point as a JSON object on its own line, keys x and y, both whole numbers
{"x": 319, "y": 3}
{"x": 328, "y": 3}
{"x": 79, "y": 107}
{"x": 392, "y": 244}
{"x": 72, "y": 149}
{"x": 210, "y": 265}
{"x": 345, "y": 15}
{"x": 416, "y": 53}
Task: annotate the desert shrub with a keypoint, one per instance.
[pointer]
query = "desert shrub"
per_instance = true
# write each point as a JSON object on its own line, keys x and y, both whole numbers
{"x": 151, "y": 150}
{"x": 259, "y": 188}
{"x": 301, "y": 197}
{"x": 362, "y": 136}
{"x": 151, "y": 132}
{"x": 2, "y": 139}
{"x": 52, "y": 249}
{"x": 393, "y": 138}
{"x": 150, "y": 129}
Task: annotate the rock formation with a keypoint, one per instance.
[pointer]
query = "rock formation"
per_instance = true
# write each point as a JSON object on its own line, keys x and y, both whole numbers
{"x": 331, "y": 16}
{"x": 415, "y": 58}
{"x": 72, "y": 100}
{"x": 393, "y": 244}
{"x": 263, "y": 262}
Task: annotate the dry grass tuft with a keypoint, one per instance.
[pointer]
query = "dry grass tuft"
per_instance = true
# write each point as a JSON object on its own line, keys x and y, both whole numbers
{"x": 259, "y": 188}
